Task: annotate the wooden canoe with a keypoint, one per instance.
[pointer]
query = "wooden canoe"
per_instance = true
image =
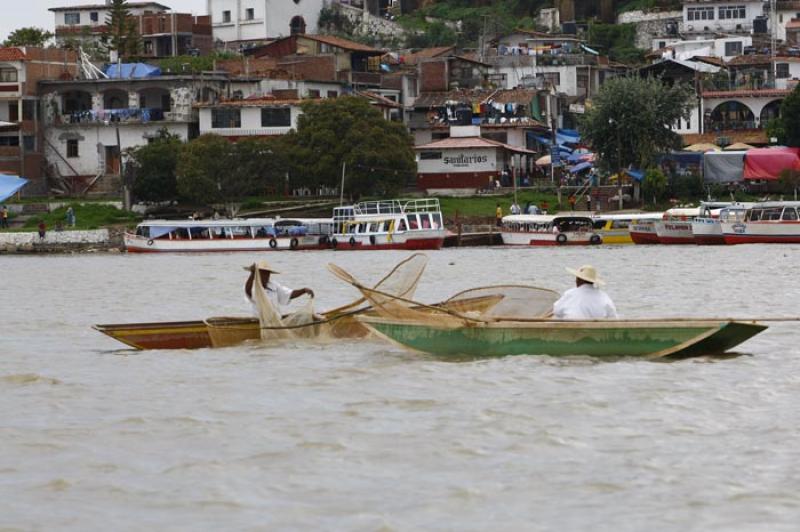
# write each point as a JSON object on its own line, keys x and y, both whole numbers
{"x": 160, "y": 335}
{"x": 600, "y": 338}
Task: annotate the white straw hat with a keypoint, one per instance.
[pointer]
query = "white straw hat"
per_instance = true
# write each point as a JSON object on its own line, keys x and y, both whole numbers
{"x": 262, "y": 265}
{"x": 588, "y": 274}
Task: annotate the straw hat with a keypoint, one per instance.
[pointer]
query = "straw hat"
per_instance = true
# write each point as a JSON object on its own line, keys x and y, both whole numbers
{"x": 262, "y": 265}
{"x": 588, "y": 274}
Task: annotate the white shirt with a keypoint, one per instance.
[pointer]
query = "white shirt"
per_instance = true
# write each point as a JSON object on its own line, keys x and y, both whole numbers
{"x": 278, "y": 294}
{"x": 584, "y": 302}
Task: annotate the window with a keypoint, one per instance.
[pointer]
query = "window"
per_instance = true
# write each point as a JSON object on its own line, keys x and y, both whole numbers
{"x": 313, "y": 93}
{"x": 782, "y": 70}
{"x": 583, "y": 79}
{"x": 700, "y": 13}
{"x": 93, "y": 16}
{"x": 226, "y": 16}
{"x": 72, "y": 148}
{"x": 662, "y": 44}
{"x": 249, "y": 13}
{"x": 276, "y": 117}
{"x": 28, "y": 110}
{"x": 430, "y": 155}
{"x": 732, "y": 12}
{"x": 333, "y": 94}
{"x": 71, "y": 19}
{"x": 733, "y": 48}
{"x": 9, "y": 141}
{"x": 789, "y": 214}
{"x": 8, "y": 75}
{"x": 224, "y": 118}
{"x": 29, "y": 142}
{"x": 554, "y": 78}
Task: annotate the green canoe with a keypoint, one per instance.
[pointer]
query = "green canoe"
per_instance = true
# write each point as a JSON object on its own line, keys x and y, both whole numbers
{"x": 596, "y": 338}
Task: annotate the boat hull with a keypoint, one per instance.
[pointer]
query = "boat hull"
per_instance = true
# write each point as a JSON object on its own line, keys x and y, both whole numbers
{"x": 761, "y": 232}
{"x": 674, "y": 232}
{"x": 163, "y": 335}
{"x": 643, "y": 234}
{"x": 602, "y": 339}
{"x": 516, "y": 238}
{"x": 707, "y": 231}
{"x": 138, "y": 244}
{"x": 365, "y": 243}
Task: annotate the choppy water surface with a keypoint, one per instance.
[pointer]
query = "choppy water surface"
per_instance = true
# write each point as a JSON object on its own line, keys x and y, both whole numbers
{"x": 367, "y": 436}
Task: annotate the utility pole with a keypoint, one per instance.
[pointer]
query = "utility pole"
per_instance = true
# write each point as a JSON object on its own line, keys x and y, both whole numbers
{"x": 341, "y": 188}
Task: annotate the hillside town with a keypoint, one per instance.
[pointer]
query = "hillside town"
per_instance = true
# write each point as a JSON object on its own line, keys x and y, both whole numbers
{"x": 507, "y": 114}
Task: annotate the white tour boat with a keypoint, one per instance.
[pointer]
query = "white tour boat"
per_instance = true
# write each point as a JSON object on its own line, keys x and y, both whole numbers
{"x": 675, "y": 226}
{"x": 244, "y": 234}
{"x": 548, "y": 230}
{"x": 616, "y": 228}
{"x": 772, "y": 222}
{"x": 707, "y": 229}
{"x": 389, "y": 224}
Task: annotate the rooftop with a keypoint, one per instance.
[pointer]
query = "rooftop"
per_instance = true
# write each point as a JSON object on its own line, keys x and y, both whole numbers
{"x": 344, "y": 44}
{"x": 428, "y": 53}
{"x": 106, "y": 6}
{"x": 462, "y": 143}
{"x": 265, "y": 101}
{"x": 438, "y": 99}
{"x": 12, "y": 54}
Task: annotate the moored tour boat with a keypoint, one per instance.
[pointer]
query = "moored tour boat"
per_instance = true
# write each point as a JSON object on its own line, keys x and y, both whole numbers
{"x": 548, "y": 230}
{"x": 615, "y": 228}
{"x": 773, "y": 222}
{"x": 675, "y": 226}
{"x": 243, "y": 234}
{"x": 413, "y": 224}
{"x": 644, "y": 232}
{"x": 707, "y": 228}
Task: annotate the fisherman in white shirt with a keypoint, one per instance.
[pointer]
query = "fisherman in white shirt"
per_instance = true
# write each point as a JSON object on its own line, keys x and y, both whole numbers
{"x": 278, "y": 294}
{"x": 586, "y": 301}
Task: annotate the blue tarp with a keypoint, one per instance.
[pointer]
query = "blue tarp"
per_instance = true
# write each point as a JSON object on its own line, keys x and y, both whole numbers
{"x": 577, "y": 155}
{"x": 9, "y": 185}
{"x": 132, "y": 70}
{"x": 638, "y": 175}
{"x": 567, "y": 136}
{"x": 580, "y": 167}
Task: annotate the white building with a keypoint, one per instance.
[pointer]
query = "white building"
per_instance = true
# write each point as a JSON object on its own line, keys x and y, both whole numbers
{"x": 262, "y": 117}
{"x": 720, "y": 15}
{"x": 259, "y": 20}
{"x": 787, "y": 13}
{"x": 725, "y": 48}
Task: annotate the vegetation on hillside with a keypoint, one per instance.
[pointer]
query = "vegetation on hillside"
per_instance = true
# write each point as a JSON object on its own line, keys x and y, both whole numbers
{"x": 28, "y": 37}
{"x": 616, "y": 40}
{"x": 87, "y": 216}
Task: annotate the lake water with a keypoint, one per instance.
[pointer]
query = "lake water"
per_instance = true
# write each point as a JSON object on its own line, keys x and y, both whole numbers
{"x": 366, "y": 436}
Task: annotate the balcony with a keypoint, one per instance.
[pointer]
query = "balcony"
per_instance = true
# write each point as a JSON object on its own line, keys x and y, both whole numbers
{"x": 121, "y": 116}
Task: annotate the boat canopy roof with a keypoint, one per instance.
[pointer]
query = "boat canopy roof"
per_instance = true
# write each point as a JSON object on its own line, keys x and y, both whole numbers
{"x": 774, "y": 204}
{"x": 528, "y": 218}
{"x": 630, "y": 216}
{"x": 236, "y": 222}
{"x": 683, "y": 211}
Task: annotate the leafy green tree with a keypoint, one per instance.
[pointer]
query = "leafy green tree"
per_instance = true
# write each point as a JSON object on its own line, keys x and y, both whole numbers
{"x": 789, "y": 181}
{"x": 28, "y": 37}
{"x": 630, "y": 118}
{"x": 789, "y": 122}
{"x": 204, "y": 165}
{"x": 617, "y": 40}
{"x": 378, "y": 154}
{"x": 123, "y": 36}
{"x": 654, "y": 184}
{"x": 153, "y": 166}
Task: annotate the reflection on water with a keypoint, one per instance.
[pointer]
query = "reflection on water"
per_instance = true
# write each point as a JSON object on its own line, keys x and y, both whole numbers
{"x": 364, "y": 435}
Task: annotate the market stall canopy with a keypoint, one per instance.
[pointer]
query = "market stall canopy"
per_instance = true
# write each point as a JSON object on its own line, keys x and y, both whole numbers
{"x": 723, "y": 167}
{"x": 702, "y": 147}
{"x": 580, "y": 167}
{"x": 9, "y": 185}
{"x": 739, "y": 146}
{"x": 581, "y": 154}
{"x": 543, "y": 161}
{"x": 768, "y": 163}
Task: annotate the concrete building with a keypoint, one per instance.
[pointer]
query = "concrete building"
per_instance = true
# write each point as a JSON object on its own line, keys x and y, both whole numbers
{"x": 88, "y": 124}
{"x": 21, "y": 140}
{"x": 787, "y": 23}
{"x": 720, "y": 15}
{"x": 725, "y": 48}
{"x": 237, "y": 22}
{"x": 164, "y": 33}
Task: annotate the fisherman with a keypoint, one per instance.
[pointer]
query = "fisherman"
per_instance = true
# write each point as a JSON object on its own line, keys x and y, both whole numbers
{"x": 586, "y": 301}
{"x": 279, "y": 294}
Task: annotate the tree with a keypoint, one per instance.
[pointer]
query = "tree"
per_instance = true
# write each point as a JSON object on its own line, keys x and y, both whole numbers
{"x": 123, "y": 36}
{"x": 28, "y": 37}
{"x": 654, "y": 184}
{"x": 154, "y": 166}
{"x": 378, "y": 154}
{"x": 790, "y": 181}
{"x": 789, "y": 122}
{"x": 629, "y": 121}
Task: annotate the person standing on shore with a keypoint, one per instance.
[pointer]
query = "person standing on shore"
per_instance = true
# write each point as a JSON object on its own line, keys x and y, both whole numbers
{"x": 498, "y": 216}
{"x": 4, "y": 217}
{"x": 70, "y": 216}
{"x": 42, "y": 230}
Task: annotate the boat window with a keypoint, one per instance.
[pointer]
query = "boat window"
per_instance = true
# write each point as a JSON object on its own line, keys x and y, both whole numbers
{"x": 755, "y": 215}
{"x": 362, "y": 227}
{"x": 412, "y": 221}
{"x": 789, "y": 213}
{"x": 437, "y": 220}
{"x": 425, "y": 220}
{"x": 143, "y": 231}
{"x": 386, "y": 226}
{"x": 773, "y": 213}
{"x": 402, "y": 225}
{"x": 351, "y": 229}
{"x": 620, "y": 224}
{"x": 599, "y": 224}
{"x": 374, "y": 227}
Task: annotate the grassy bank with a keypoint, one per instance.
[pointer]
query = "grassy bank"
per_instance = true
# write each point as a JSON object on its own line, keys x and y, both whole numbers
{"x": 484, "y": 206}
{"x": 87, "y": 216}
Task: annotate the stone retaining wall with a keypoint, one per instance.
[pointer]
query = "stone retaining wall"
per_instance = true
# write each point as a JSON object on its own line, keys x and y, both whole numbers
{"x": 59, "y": 242}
